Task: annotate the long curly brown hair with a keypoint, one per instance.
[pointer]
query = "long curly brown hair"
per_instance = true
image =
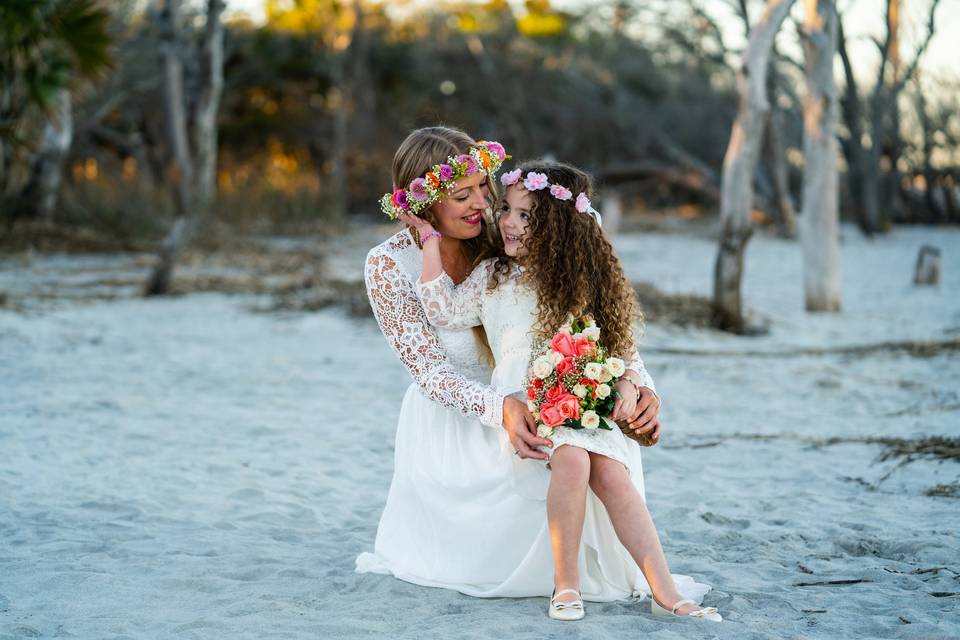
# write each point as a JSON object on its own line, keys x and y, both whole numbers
{"x": 571, "y": 264}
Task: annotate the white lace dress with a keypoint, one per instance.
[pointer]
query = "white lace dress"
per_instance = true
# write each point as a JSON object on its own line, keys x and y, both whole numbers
{"x": 455, "y": 516}
{"x": 508, "y": 314}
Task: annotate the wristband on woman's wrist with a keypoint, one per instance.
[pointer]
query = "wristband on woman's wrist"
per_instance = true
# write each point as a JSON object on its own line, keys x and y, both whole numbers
{"x": 433, "y": 233}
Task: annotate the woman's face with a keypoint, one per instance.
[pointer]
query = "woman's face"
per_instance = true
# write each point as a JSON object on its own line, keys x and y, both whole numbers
{"x": 460, "y": 214}
{"x": 514, "y": 220}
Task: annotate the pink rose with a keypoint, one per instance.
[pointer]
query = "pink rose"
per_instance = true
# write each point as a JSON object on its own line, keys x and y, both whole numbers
{"x": 418, "y": 190}
{"x": 470, "y": 165}
{"x": 556, "y": 392}
{"x": 497, "y": 149}
{"x": 446, "y": 172}
{"x": 399, "y": 198}
{"x": 535, "y": 181}
{"x": 566, "y": 366}
{"x": 510, "y": 177}
{"x": 583, "y": 347}
{"x": 569, "y": 407}
{"x": 562, "y": 343}
{"x": 560, "y": 192}
{"x": 583, "y": 203}
{"x": 550, "y": 415}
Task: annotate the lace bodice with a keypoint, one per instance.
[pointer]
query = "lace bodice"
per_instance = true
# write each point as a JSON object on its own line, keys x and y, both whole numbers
{"x": 444, "y": 362}
{"x": 508, "y": 313}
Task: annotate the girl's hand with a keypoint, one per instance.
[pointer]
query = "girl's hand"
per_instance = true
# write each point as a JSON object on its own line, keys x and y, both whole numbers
{"x": 626, "y": 402}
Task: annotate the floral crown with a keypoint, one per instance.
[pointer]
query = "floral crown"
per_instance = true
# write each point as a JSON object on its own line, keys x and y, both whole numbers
{"x": 535, "y": 181}
{"x": 485, "y": 156}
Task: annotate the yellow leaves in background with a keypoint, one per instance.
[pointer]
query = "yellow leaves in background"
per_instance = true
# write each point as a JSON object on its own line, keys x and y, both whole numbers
{"x": 540, "y": 20}
{"x": 279, "y": 169}
{"x": 334, "y": 20}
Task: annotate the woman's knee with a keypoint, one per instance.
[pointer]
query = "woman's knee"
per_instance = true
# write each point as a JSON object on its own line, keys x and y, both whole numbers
{"x": 572, "y": 462}
{"x": 609, "y": 477}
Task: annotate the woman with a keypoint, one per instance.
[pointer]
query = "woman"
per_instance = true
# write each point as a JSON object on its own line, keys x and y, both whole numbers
{"x": 452, "y": 475}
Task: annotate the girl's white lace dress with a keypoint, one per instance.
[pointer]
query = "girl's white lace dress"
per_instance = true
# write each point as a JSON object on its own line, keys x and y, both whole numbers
{"x": 463, "y": 512}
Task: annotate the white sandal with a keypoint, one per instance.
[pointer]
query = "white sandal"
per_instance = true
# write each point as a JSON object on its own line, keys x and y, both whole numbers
{"x": 566, "y": 610}
{"x": 706, "y": 613}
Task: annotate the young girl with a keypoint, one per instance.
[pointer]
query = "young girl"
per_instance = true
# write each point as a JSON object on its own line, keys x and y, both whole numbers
{"x": 555, "y": 262}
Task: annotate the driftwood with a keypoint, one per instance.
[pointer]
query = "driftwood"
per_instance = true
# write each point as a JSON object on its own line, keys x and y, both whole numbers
{"x": 927, "y": 271}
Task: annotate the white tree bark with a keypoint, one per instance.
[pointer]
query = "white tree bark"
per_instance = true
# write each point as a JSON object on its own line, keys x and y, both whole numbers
{"x": 40, "y": 193}
{"x": 820, "y": 230}
{"x": 207, "y": 106}
{"x": 739, "y": 166}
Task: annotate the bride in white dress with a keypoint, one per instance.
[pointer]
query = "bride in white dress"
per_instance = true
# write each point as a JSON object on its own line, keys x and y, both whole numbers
{"x": 619, "y": 541}
{"x": 454, "y": 517}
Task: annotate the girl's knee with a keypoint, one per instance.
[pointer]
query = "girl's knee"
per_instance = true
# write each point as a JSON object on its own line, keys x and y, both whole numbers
{"x": 609, "y": 477}
{"x": 572, "y": 462}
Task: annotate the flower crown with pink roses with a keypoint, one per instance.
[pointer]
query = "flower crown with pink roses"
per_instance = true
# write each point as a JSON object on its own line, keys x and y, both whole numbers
{"x": 535, "y": 181}
{"x": 416, "y": 197}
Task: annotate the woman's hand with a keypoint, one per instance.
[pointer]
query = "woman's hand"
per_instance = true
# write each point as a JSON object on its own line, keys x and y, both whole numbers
{"x": 422, "y": 226}
{"x": 645, "y": 419}
{"x": 519, "y": 423}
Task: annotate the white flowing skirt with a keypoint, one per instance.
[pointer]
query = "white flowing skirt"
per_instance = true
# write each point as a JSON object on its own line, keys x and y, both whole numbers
{"x": 464, "y": 513}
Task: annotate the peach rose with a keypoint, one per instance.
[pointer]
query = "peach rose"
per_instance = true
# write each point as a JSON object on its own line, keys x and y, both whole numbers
{"x": 550, "y": 415}
{"x": 563, "y": 344}
{"x": 569, "y": 406}
{"x": 555, "y": 392}
{"x": 566, "y": 366}
{"x": 583, "y": 347}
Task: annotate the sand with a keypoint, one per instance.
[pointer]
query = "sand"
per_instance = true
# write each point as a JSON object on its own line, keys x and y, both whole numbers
{"x": 191, "y": 468}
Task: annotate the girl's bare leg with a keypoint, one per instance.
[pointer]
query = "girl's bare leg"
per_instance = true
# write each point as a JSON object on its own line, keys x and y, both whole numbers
{"x": 611, "y": 483}
{"x": 566, "y": 506}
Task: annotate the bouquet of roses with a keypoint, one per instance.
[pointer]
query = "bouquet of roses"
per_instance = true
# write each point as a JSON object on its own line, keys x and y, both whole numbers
{"x": 570, "y": 383}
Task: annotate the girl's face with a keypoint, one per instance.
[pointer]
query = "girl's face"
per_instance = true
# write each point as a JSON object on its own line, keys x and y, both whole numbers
{"x": 514, "y": 220}
{"x": 460, "y": 214}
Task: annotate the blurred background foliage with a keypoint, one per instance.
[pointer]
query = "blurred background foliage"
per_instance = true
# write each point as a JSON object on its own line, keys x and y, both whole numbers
{"x": 318, "y": 94}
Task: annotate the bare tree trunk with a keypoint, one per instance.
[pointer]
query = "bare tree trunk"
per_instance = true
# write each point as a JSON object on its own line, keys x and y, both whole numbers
{"x": 854, "y": 150}
{"x": 206, "y": 108}
{"x": 612, "y": 210}
{"x": 820, "y": 232}
{"x": 39, "y": 196}
{"x": 193, "y": 179}
{"x": 181, "y": 171}
{"x": 773, "y": 152}
{"x": 739, "y": 165}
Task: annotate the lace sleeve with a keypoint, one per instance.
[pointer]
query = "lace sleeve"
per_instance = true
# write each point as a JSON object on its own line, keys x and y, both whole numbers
{"x": 404, "y": 324}
{"x": 454, "y": 306}
{"x": 644, "y": 377}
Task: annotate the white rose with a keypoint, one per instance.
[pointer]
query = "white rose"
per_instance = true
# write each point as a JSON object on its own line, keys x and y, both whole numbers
{"x": 606, "y": 376}
{"x": 555, "y": 358}
{"x": 603, "y": 391}
{"x": 542, "y": 367}
{"x": 567, "y": 329}
{"x": 592, "y": 333}
{"x": 579, "y": 390}
{"x": 543, "y": 431}
{"x": 590, "y": 420}
{"x": 531, "y": 405}
{"x": 593, "y": 371}
{"x": 591, "y": 323}
{"x": 616, "y": 367}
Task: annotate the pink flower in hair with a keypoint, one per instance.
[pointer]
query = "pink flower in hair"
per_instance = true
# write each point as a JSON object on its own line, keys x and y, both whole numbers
{"x": 469, "y": 163}
{"x": 560, "y": 192}
{"x": 399, "y": 198}
{"x": 418, "y": 190}
{"x": 446, "y": 172}
{"x": 535, "y": 181}
{"x": 510, "y": 177}
{"x": 497, "y": 148}
{"x": 583, "y": 203}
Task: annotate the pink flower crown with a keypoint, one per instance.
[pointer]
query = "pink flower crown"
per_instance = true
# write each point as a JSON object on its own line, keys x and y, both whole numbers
{"x": 536, "y": 181}
{"x": 486, "y": 156}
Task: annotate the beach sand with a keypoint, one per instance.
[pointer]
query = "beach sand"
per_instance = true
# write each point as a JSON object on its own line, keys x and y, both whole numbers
{"x": 188, "y": 467}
